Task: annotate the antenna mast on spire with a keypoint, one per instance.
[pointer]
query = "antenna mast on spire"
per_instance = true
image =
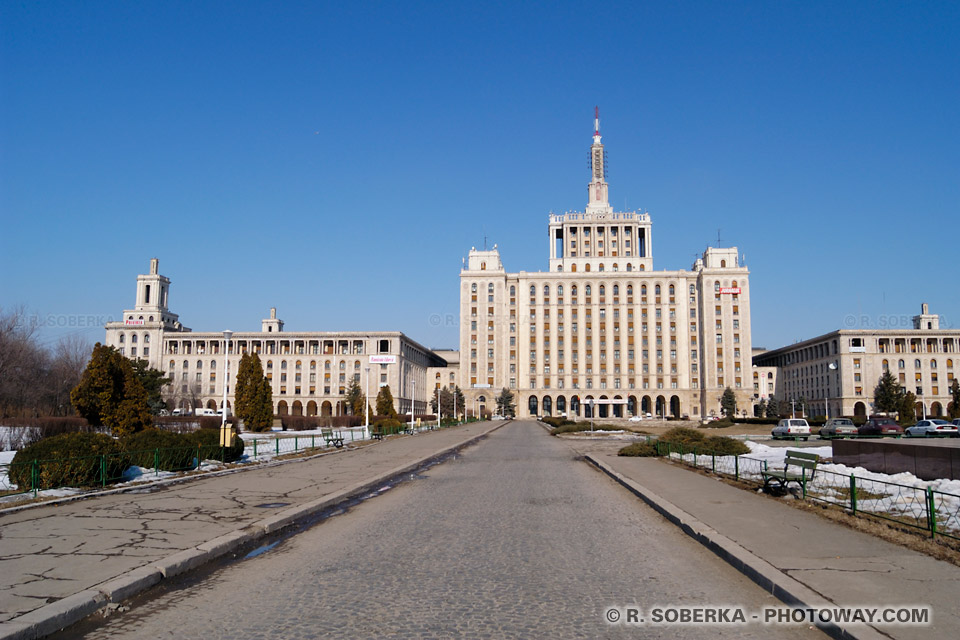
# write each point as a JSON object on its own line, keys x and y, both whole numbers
{"x": 596, "y": 121}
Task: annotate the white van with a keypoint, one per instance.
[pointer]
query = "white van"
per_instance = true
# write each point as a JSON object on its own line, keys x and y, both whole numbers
{"x": 206, "y": 412}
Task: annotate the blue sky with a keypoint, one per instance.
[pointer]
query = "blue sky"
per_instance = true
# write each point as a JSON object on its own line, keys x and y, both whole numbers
{"x": 337, "y": 160}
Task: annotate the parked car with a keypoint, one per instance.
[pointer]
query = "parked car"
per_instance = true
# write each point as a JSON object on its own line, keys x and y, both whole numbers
{"x": 932, "y": 428}
{"x": 838, "y": 427}
{"x": 636, "y": 419}
{"x": 956, "y": 423}
{"x": 791, "y": 428}
{"x": 880, "y": 427}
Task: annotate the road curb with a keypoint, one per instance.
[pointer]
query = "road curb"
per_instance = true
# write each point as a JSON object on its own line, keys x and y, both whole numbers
{"x": 58, "y": 615}
{"x": 764, "y": 574}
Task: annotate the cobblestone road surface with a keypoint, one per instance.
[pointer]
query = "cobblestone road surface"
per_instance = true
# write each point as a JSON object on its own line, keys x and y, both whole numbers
{"x": 513, "y": 538}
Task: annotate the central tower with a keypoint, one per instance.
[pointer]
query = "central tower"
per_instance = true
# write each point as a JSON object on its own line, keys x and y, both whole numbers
{"x": 600, "y": 239}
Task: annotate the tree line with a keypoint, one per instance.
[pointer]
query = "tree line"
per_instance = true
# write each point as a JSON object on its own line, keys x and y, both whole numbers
{"x": 36, "y": 378}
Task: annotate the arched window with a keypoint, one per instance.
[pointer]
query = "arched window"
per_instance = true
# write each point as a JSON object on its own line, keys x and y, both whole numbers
{"x": 298, "y": 366}
{"x": 146, "y": 338}
{"x": 916, "y": 364}
{"x": 656, "y": 290}
{"x": 586, "y": 290}
{"x": 513, "y": 290}
{"x": 356, "y": 365}
{"x": 693, "y": 289}
{"x": 672, "y": 290}
{"x": 326, "y": 365}
{"x": 199, "y": 364}
{"x": 559, "y": 289}
{"x": 734, "y": 284}
{"x": 573, "y": 291}
{"x": 186, "y": 365}
{"x": 283, "y": 365}
{"x": 949, "y": 364}
{"x": 533, "y": 290}
{"x": 901, "y": 364}
{"x": 172, "y": 364}
{"x": 601, "y": 266}
{"x": 616, "y": 289}
{"x": 587, "y": 268}
{"x": 473, "y": 288}
{"x": 490, "y": 288}
{"x": 616, "y": 267}
{"x": 933, "y": 364}
{"x": 121, "y": 338}
{"x": 603, "y": 291}
{"x": 546, "y": 290}
{"x": 573, "y": 268}
{"x": 213, "y": 364}
{"x": 885, "y": 365}
{"x": 313, "y": 365}
{"x": 643, "y": 289}
{"x": 629, "y": 289}
{"x": 133, "y": 338}
{"x": 343, "y": 366}
{"x": 723, "y": 263}
{"x": 716, "y": 286}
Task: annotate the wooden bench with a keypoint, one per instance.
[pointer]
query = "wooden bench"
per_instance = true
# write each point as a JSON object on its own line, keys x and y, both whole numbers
{"x": 804, "y": 466}
{"x": 407, "y": 428}
{"x": 376, "y": 433}
{"x": 336, "y": 439}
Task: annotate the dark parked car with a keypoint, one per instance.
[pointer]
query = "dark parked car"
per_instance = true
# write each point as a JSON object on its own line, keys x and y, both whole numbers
{"x": 880, "y": 427}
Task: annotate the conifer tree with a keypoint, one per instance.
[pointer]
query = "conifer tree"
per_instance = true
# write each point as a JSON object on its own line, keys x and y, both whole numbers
{"x": 111, "y": 394}
{"x": 355, "y": 398}
{"x": 888, "y": 394}
{"x": 253, "y": 397}
{"x": 385, "y": 402}
{"x": 728, "y": 402}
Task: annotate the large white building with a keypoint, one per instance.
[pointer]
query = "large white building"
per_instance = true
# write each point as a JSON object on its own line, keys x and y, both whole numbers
{"x": 309, "y": 371}
{"x": 601, "y": 332}
{"x": 835, "y": 374}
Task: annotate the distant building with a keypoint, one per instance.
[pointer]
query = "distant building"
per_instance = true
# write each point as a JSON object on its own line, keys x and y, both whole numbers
{"x": 836, "y": 373}
{"x": 309, "y": 371}
{"x": 601, "y": 333}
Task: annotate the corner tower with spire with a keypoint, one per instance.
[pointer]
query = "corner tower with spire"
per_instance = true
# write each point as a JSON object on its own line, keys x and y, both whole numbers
{"x": 598, "y": 238}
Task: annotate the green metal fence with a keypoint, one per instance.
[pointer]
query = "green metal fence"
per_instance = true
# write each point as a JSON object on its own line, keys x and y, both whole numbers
{"x": 933, "y": 511}
{"x": 85, "y": 472}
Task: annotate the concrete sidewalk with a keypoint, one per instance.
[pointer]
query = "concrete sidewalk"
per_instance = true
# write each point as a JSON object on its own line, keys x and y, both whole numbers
{"x": 797, "y": 555}
{"x": 59, "y": 563}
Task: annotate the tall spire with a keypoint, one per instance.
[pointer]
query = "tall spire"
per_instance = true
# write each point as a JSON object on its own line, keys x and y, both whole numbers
{"x": 597, "y": 189}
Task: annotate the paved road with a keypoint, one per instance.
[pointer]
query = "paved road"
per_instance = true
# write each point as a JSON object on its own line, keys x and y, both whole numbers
{"x": 514, "y": 538}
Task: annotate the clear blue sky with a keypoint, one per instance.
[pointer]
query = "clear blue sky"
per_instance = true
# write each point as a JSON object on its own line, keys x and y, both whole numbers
{"x": 337, "y": 160}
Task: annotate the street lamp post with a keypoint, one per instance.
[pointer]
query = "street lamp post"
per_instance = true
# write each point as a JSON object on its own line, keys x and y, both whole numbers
{"x": 413, "y": 395}
{"x": 224, "y": 437}
{"x": 366, "y": 410}
{"x": 438, "y": 407}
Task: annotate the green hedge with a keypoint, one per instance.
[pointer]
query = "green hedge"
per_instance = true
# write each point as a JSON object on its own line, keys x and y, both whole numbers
{"x": 639, "y": 449}
{"x": 164, "y": 450}
{"x": 68, "y": 460}
{"x": 209, "y": 442}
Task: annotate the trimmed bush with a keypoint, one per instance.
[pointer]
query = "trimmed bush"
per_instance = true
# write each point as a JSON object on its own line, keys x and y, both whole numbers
{"x": 68, "y": 460}
{"x": 723, "y": 446}
{"x": 684, "y": 436}
{"x": 388, "y": 425}
{"x": 164, "y": 450}
{"x": 639, "y": 449}
{"x": 719, "y": 424}
{"x": 573, "y": 427}
{"x": 210, "y": 449}
{"x": 300, "y": 423}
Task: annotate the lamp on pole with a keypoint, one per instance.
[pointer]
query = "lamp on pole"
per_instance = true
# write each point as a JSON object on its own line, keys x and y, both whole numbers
{"x": 366, "y": 410}
{"x": 413, "y": 394}
{"x": 438, "y": 407}
{"x": 224, "y": 439}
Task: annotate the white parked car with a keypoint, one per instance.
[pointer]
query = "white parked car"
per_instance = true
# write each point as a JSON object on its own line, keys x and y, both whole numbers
{"x": 932, "y": 428}
{"x": 636, "y": 419}
{"x": 791, "y": 428}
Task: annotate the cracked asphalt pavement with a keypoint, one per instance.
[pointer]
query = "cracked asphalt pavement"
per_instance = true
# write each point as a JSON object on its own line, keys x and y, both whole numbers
{"x": 50, "y": 551}
{"x": 515, "y": 538}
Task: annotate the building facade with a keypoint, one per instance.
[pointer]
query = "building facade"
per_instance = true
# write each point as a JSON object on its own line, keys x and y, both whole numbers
{"x": 835, "y": 374}
{"x": 309, "y": 371}
{"x": 601, "y": 333}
